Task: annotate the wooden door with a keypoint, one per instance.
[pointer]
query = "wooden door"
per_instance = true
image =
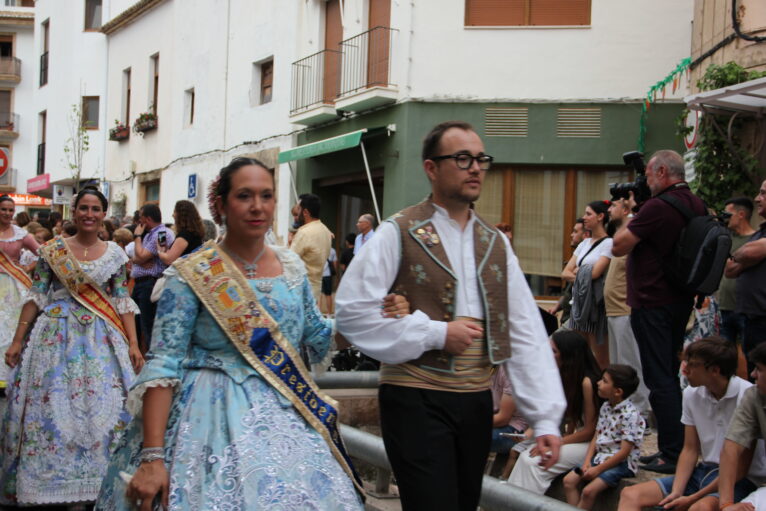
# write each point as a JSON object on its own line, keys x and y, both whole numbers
{"x": 333, "y": 35}
{"x": 379, "y": 43}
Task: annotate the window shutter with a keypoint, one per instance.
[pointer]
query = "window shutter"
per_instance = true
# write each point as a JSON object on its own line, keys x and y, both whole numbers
{"x": 485, "y": 13}
{"x": 559, "y": 12}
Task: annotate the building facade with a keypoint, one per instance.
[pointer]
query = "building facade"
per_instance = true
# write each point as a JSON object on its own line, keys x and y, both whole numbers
{"x": 555, "y": 89}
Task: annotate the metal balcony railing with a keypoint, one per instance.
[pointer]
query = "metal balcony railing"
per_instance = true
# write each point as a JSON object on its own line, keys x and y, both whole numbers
{"x": 43, "y": 69}
{"x": 315, "y": 80}
{"x": 10, "y": 66}
{"x": 41, "y": 159}
{"x": 366, "y": 60}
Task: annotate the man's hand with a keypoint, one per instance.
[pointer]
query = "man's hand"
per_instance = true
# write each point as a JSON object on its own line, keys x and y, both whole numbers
{"x": 548, "y": 446}
{"x": 139, "y": 230}
{"x": 460, "y": 335}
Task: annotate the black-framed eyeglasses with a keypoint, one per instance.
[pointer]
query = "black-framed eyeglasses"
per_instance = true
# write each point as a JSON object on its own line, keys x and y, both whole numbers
{"x": 465, "y": 160}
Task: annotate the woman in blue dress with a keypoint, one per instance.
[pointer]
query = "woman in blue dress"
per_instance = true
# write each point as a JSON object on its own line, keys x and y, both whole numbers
{"x": 211, "y": 430}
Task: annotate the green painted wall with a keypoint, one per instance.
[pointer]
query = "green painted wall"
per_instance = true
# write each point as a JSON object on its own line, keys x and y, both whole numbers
{"x": 405, "y": 183}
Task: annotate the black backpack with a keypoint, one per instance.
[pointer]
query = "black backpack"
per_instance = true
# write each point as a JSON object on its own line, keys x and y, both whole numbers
{"x": 699, "y": 256}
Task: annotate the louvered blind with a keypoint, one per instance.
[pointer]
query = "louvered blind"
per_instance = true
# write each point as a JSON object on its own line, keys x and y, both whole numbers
{"x": 578, "y": 123}
{"x": 506, "y": 121}
{"x": 527, "y": 12}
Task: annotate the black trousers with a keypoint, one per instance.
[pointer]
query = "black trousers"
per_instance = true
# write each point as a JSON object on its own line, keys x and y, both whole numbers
{"x": 142, "y": 293}
{"x": 437, "y": 443}
{"x": 659, "y": 334}
{"x": 753, "y": 335}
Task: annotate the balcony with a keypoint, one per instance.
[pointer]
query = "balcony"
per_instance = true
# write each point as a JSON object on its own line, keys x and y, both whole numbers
{"x": 43, "y": 69}
{"x": 9, "y": 126}
{"x": 315, "y": 82}
{"x": 366, "y": 71}
{"x": 10, "y": 70}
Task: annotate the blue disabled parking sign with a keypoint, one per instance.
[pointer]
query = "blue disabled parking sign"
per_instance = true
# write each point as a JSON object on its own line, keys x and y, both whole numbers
{"x": 192, "y": 188}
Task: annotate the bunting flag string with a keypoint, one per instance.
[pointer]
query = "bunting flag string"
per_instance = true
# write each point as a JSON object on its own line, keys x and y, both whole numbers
{"x": 674, "y": 80}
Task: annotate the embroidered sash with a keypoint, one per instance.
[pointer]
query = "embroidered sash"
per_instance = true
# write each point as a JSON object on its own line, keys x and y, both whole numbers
{"x": 14, "y": 271}
{"x": 79, "y": 284}
{"x": 224, "y": 291}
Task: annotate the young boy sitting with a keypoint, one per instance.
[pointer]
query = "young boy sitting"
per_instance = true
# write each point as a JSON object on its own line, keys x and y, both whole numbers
{"x": 613, "y": 453}
{"x": 747, "y": 426}
{"x": 708, "y": 406}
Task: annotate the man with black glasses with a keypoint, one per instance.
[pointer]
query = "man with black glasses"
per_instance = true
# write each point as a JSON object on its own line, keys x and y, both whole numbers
{"x": 471, "y": 309}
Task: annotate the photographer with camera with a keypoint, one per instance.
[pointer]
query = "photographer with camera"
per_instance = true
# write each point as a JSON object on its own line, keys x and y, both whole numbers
{"x": 659, "y": 309}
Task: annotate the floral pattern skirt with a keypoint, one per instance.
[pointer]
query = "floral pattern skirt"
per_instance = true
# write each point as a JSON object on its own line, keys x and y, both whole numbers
{"x": 66, "y": 402}
{"x": 231, "y": 446}
{"x": 11, "y": 291}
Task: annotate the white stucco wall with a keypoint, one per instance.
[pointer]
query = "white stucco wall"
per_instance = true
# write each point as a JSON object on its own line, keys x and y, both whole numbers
{"x": 77, "y": 67}
{"x": 211, "y": 47}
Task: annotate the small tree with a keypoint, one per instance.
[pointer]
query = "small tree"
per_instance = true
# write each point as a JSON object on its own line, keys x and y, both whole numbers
{"x": 76, "y": 145}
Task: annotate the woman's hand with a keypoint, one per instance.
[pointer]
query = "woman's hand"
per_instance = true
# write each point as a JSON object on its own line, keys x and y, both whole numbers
{"x": 151, "y": 479}
{"x": 395, "y": 306}
{"x": 13, "y": 354}
{"x": 136, "y": 359}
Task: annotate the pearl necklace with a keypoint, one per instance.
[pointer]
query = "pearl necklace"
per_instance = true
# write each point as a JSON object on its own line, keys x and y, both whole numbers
{"x": 250, "y": 268}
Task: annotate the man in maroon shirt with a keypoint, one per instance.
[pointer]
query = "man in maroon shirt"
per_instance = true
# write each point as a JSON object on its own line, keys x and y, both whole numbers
{"x": 660, "y": 310}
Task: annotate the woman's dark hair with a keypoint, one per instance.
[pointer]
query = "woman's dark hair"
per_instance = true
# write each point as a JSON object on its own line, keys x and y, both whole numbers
{"x": 187, "y": 218}
{"x": 69, "y": 228}
{"x": 221, "y": 186}
{"x": 601, "y": 207}
{"x": 576, "y": 363}
{"x": 109, "y": 229}
{"x": 89, "y": 190}
{"x": 4, "y": 198}
{"x": 55, "y": 217}
{"x": 22, "y": 218}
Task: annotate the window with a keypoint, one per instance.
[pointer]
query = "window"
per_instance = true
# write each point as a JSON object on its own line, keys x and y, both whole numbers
{"x": 126, "y": 75}
{"x": 541, "y": 204}
{"x": 151, "y": 191}
{"x": 267, "y": 80}
{"x": 155, "y": 83}
{"x": 92, "y": 14}
{"x": 189, "y": 107}
{"x": 41, "y": 146}
{"x": 44, "y": 56}
{"x": 527, "y": 12}
{"x": 6, "y": 47}
{"x": 90, "y": 112}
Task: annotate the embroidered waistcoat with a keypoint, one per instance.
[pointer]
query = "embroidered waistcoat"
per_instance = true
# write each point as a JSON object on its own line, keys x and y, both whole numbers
{"x": 426, "y": 278}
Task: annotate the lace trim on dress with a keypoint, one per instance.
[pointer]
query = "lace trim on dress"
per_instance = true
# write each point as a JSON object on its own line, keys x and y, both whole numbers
{"x": 102, "y": 269}
{"x": 18, "y": 234}
{"x": 292, "y": 266}
{"x": 125, "y": 305}
{"x": 135, "y": 401}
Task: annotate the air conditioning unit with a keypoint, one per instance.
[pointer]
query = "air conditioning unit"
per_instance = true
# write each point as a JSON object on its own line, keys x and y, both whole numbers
{"x": 9, "y": 178}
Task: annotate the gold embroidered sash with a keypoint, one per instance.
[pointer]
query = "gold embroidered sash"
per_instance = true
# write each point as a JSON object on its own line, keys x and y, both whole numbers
{"x": 79, "y": 284}
{"x": 14, "y": 271}
{"x": 226, "y": 294}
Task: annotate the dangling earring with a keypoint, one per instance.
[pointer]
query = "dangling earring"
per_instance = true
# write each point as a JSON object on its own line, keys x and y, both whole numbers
{"x": 223, "y": 220}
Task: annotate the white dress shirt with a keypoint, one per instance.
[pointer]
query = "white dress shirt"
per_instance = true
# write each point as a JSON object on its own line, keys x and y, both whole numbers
{"x": 531, "y": 368}
{"x": 362, "y": 239}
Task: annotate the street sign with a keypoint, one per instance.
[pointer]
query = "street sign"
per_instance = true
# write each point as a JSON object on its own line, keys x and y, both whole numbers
{"x": 5, "y": 160}
{"x": 692, "y": 121}
{"x": 191, "y": 191}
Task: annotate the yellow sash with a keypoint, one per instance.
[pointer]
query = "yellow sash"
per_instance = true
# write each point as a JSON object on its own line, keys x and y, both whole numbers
{"x": 14, "y": 271}
{"x": 79, "y": 284}
{"x": 224, "y": 291}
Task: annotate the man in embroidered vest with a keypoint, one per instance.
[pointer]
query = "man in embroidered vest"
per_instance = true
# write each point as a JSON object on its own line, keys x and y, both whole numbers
{"x": 472, "y": 309}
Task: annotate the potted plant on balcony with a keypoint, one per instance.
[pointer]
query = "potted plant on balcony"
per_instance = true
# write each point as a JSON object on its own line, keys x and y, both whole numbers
{"x": 145, "y": 122}
{"x": 119, "y": 132}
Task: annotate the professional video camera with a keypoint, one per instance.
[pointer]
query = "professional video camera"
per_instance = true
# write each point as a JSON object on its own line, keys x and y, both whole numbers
{"x": 640, "y": 189}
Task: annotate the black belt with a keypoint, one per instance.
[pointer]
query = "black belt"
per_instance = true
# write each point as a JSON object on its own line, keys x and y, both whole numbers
{"x": 148, "y": 277}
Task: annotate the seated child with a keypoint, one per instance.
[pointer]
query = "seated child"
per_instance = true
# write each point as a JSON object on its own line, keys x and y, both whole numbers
{"x": 613, "y": 453}
{"x": 747, "y": 426}
{"x": 709, "y": 403}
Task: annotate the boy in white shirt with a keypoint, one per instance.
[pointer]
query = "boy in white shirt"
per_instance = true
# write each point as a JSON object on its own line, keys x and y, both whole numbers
{"x": 708, "y": 406}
